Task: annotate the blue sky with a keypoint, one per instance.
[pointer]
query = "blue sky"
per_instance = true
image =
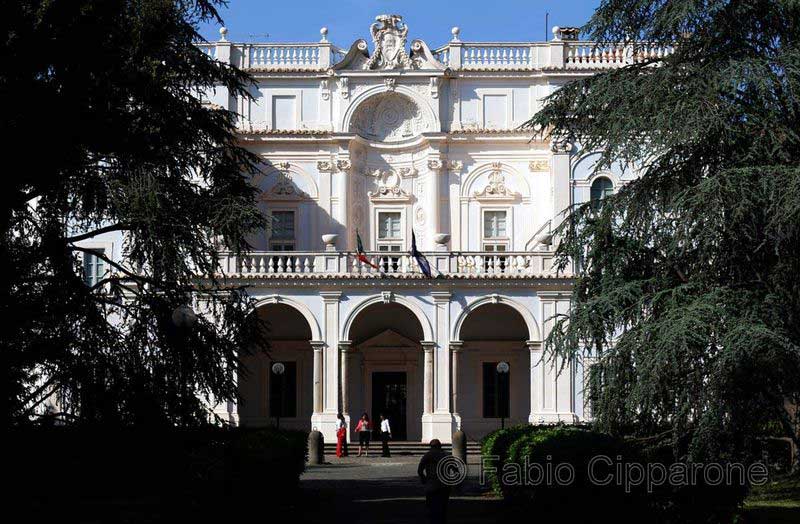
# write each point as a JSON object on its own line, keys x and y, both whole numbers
{"x": 431, "y": 20}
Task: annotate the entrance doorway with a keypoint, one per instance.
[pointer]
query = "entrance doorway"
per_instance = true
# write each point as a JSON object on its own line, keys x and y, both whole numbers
{"x": 389, "y": 395}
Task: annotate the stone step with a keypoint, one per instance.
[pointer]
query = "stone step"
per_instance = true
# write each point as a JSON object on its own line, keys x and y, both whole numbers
{"x": 405, "y": 448}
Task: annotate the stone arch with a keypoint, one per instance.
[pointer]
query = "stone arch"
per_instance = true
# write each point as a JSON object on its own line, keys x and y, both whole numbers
{"x": 377, "y": 95}
{"x": 316, "y": 334}
{"x": 534, "y": 333}
{"x": 427, "y": 330}
{"x": 467, "y": 190}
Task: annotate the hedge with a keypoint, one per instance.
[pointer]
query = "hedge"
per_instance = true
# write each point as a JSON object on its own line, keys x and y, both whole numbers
{"x": 522, "y": 449}
{"x": 153, "y": 475}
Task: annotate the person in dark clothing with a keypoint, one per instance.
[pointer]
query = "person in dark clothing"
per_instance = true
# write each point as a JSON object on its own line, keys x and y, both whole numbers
{"x": 437, "y": 493}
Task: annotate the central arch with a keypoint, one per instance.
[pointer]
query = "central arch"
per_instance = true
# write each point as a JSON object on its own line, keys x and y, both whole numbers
{"x": 384, "y": 372}
{"x": 427, "y": 329}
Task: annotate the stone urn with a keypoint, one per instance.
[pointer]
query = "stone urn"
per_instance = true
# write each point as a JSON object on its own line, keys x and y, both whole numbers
{"x": 330, "y": 241}
{"x": 441, "y": 240}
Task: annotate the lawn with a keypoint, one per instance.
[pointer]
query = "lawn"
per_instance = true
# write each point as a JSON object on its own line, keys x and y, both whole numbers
{"x": 776, "y": 502}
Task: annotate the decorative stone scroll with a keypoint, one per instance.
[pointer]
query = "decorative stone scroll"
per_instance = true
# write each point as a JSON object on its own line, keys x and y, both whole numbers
{"x": 388, "y": 187}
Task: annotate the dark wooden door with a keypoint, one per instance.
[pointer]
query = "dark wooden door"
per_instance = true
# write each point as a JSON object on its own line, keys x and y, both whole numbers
{"x": 389, "y": 397}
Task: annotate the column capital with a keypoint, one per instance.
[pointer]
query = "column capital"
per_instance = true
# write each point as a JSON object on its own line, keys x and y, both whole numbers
{"x": 330, "y": 296}
{"x": 317, "y": 345}
{"x": 534, "y": 344}
{"x": 428, "y": 345}
{"x": 456, "y": 346}
{"x": 345, "y": 345}
{"x": 441, "y": 296}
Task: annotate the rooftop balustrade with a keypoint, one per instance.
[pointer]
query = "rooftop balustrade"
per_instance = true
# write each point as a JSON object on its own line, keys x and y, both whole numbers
{"x": 564, "y": 52}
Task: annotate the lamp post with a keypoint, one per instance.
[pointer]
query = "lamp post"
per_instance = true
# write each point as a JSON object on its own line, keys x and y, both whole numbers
{"x": 277, "y": 370}
{"x": 502, "y": 369}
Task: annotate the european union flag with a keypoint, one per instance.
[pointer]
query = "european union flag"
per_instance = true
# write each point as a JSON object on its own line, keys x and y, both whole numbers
{"x": 422, "y": 262}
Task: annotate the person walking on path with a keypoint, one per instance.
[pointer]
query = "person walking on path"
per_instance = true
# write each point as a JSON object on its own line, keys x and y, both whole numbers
{"x": 437, "y": 493}
{"x": 341, "y": 436}
{"x": 386, "y": 434}
{"x": 364, "y": 429}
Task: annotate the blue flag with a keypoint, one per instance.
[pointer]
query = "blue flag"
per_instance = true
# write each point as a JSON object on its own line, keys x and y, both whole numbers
{"x": 422, "y": 262}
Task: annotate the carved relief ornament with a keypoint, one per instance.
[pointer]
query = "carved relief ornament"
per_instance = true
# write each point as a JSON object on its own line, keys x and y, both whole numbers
{"x": 496, "y": 188}
{"x": 388, "y": 182}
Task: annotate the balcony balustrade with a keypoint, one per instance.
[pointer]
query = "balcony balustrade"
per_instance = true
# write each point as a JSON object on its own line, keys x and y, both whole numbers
{"x": 330, "y": 264}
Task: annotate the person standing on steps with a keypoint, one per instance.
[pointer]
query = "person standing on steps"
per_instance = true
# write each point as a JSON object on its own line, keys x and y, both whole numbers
{"x": 364, "y": 429}
{"x": 341, "y": 436}
{"x": 437, "y": 493}
{"x": 386, "y": 434}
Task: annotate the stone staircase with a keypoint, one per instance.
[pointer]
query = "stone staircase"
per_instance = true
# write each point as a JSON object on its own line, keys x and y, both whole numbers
{"x": 402, "y": 448}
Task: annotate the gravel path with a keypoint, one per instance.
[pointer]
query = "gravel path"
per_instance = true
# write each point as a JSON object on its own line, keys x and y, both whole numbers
{"x": 375, "y": 489}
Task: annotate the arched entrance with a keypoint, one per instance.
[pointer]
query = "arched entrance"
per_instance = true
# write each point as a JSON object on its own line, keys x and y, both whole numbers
{"x": 492, "y": 333}
{"x": 267, "y": 398}
{"x": 386, "y": 367}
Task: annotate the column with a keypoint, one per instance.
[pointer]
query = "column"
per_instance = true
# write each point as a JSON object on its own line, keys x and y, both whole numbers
{"x": 456, "y": 346}
{"x": 344, "y": 360}
{"x": 345, "y": 347}
{"x": 435, "y": 167}
{"x": 555, "y": 389}
{"x": 325, "y": 421}
{"x": 561, "y": 186}
{"x": 427, "y": 387}
{"x": 536, "y": 376}
{"x": 318, "y": 346}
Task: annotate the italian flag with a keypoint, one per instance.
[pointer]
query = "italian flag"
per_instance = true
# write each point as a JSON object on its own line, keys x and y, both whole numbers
{"x": 360, "y": 255}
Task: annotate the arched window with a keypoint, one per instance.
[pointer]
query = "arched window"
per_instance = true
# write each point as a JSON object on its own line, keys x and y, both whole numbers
{"x": 601, "y": 188}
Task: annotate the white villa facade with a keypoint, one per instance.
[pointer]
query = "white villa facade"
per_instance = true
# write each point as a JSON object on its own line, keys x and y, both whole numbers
{"x": 390, "y": 139}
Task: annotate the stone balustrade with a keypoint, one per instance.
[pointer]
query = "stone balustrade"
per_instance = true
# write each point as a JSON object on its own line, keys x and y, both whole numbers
{"x": 456, "y": 55}
{"x": 328, "y": 264}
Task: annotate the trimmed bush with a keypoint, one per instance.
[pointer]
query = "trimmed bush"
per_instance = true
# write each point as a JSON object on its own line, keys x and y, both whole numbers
{"x": 153, "y": 475}
{"x": 495, "y": 447}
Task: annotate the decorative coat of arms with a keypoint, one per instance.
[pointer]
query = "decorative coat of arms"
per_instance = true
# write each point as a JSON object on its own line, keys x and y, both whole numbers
{"x": 389, "y": 36}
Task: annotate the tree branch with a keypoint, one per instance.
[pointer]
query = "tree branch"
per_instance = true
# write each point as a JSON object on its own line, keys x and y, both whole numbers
{"x": 107, "y": 229}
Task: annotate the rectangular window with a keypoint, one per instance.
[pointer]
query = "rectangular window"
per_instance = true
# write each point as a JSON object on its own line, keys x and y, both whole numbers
{"x": 283, "y": 391}
{"x": 389, "y": 226}
{"x": 390, "y": 238}
{"x": 496, "y": 392}
{"x": 94, "y": 267}
{"x": 495, "y": 238}
{"x": 282, "y": 231}
{"x": 494, "y": 224}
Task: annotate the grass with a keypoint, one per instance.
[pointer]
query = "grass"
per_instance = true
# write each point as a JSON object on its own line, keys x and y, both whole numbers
{"x": 776, "y": 502}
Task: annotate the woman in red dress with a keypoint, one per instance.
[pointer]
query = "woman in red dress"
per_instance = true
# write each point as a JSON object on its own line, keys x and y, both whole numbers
{"x": 341, "y": 436}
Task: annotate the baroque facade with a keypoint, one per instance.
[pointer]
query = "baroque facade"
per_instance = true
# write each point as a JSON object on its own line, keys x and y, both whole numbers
{"x": 387, "y": 141}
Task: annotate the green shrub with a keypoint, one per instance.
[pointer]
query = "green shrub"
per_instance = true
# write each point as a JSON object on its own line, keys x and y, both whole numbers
{"x": 495, "y": 447}
{"x": 152, "y": 475}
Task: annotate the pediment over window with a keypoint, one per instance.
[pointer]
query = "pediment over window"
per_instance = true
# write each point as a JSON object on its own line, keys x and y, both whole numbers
{"x": 496, "y": 189}
{"x": 285, "y": 182}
